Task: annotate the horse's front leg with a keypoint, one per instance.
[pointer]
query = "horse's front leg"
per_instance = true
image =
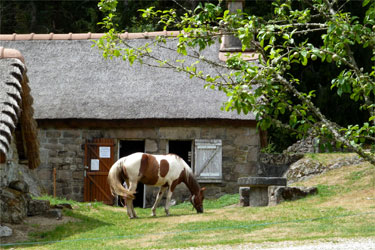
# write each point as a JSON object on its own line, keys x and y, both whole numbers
{"x": 158, "y": 198}
{"x": 168, "y": 202}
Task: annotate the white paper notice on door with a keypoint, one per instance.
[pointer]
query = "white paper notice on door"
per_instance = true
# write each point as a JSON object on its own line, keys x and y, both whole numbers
{"x": 105, "y": 152}
{"x": 94, "y": 165}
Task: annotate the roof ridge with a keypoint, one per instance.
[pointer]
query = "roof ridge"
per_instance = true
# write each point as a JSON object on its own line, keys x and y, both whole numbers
{"x": 11, "y": 53}
{"x": 83, "y": 36}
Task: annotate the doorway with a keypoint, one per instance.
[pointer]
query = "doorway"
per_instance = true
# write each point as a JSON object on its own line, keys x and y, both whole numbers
{"x": 128, "y": 147}
{"x": 182, "y": 149}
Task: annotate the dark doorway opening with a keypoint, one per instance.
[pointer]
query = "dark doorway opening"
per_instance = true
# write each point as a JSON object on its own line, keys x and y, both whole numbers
{"x": 128, "y": 147}
{"x": 182, "y": 149}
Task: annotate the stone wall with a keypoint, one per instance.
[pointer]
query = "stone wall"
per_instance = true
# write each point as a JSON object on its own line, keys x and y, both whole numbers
{"x": 63, "y": 149}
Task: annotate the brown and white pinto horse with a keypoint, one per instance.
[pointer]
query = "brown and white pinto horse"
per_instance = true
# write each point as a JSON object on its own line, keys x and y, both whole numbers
{"x": 164, "y": 171}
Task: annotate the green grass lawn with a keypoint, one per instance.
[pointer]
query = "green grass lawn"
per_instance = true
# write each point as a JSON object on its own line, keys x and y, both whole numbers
{"x": 344, "y": 207}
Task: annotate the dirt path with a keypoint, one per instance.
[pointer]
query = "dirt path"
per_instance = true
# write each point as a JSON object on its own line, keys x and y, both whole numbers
{"x": 329, "y": 244}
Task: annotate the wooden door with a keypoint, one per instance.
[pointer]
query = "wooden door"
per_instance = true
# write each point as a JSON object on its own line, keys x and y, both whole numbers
{"x": 99, "y": 157}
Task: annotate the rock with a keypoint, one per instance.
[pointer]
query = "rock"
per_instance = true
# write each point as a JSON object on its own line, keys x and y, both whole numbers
{"x": 275, "y": 164}
{"x": 295, "y": 193}
{"x": 62, "y": 206}
{"x": 305, "y": 145}
{"x": 279, "y": 194}
{"x": 20, "y": 172}
{"x": 306, "y": 168}
{"x": 37, "y": 207}
{"x": 5, "y": 231}
{"x": 20, "y": 186}
{"x": 244, "y": 196}
{"x": 13, "y": 205}
{"x": 53, "y": 213}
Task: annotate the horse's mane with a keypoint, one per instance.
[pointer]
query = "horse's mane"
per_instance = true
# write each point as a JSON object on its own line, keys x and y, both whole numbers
{"x": 189, "y": 175}
{"x": 187, "y": 168}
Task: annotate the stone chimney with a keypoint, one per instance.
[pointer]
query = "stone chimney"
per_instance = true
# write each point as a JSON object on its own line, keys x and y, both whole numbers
{"x": 231, "y": 43}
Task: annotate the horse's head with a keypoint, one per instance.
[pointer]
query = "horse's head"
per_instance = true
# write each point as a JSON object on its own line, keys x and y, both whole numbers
{"x": 197, "y": 200}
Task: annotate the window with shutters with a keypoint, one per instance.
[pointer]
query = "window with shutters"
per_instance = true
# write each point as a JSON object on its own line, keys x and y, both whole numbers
{"x": 208, "y": 160}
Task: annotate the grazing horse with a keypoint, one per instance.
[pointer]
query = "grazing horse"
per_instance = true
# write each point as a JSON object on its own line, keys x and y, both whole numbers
{"x": 164, "y": 171}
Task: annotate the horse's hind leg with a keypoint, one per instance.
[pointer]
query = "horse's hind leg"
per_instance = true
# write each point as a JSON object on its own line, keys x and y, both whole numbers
{"x": 130, "y": 207}
{"x": 168, "y": 202}
{"x": 158, "y": 198}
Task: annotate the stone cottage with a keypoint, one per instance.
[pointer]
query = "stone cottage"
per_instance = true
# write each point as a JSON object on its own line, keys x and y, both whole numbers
{"x": 91, "y": 112}
{"x": 19, "y": 147}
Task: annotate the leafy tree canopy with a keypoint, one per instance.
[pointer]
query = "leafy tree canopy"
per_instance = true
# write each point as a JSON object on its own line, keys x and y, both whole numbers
{"x": 77, "y": 16}
{"x": 297, "y": 35}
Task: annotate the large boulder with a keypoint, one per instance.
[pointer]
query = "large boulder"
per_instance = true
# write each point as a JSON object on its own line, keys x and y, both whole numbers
{"x": 306, "y": 168}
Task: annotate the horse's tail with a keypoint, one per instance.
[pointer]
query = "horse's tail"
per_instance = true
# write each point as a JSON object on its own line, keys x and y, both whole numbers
{"x": 115, "y": 181}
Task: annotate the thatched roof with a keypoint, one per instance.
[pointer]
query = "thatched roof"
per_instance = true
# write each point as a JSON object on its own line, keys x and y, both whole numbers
{"x": 16, "y": 106}
{"x": 71, "y": 80}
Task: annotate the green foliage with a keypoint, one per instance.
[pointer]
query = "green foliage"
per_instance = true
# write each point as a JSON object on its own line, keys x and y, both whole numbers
{"x": 270, "y": 148}
{"x": 289, "y": 42}
{"x": 49, "y": 16}
{"x": 61, "y": 16}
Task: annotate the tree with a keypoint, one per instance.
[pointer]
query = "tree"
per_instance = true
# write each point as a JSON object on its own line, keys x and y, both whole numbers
{"x": 48, "y": 16}
{"x": 76, "y": 16}
{"x": 296, "y": 35}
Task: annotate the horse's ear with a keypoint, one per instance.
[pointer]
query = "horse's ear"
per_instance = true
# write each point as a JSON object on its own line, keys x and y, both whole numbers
{"x": 203, "y": 189}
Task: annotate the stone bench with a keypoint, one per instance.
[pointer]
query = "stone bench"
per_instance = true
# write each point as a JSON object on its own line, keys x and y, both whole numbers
{"x": 254, "y": 190}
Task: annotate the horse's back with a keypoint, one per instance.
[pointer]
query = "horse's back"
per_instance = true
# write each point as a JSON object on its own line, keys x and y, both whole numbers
{"x": 173, "y": 163}
{"x": 131, "y": 164}
{"x": 154, "y": 169}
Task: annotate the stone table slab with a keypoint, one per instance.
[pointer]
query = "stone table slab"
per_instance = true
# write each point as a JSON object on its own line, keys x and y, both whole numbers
{"x": 261, "y": 181}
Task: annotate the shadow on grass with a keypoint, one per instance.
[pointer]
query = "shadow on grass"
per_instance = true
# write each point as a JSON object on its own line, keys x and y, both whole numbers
{"x": 61, "y": 232}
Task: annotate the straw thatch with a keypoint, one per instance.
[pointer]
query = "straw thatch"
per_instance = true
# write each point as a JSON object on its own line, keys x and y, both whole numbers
{"x": 71, "y": 80}
{"x": 16, "y": 110}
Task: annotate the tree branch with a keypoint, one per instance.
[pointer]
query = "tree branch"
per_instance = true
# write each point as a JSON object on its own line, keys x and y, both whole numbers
{"x": 330, "y": 126}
